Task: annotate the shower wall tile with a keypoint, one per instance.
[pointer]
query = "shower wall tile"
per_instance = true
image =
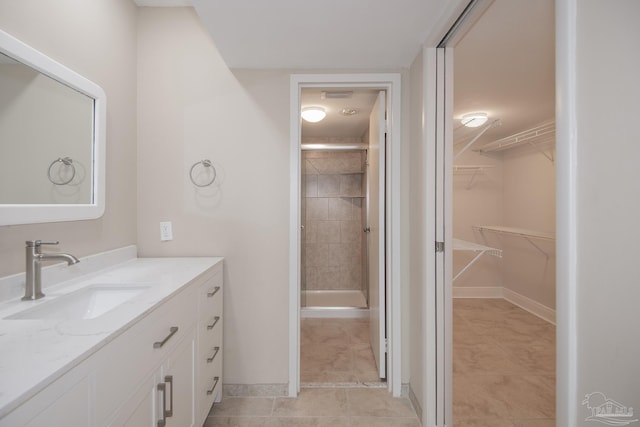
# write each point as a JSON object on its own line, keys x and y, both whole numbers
{"x": 351, "y": 185}
{"x": 331, "y": 278}
{"x": 310, "y": 185}
{"x": 343, "y": 254}
{"x": 328, "y": 231}
{"x": 350, "y": 231}
{"x": 352, "y": 163}
{"x": 311, "y": 232}
{"x": 340, "y": 208}
{"x": 329, "y": 185}
{"x": 317, "y": 208}
{"x": 308, "y": 167}
{"x": 357, "y": 213}
{"x": 333, "y": 236}
{"x": 311, "y": 278}
{"x": 317, "y": 254}
{"x": 355, "y": 276}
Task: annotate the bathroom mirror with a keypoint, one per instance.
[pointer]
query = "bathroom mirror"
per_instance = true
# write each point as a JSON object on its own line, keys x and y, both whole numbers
{"x": 52, "y": 139}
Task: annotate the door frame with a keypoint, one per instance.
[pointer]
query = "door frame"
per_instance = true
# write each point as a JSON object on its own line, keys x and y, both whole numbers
{"x": 391, "y": 83}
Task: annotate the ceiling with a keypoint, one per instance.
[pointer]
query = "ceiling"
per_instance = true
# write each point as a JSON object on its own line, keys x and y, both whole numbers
{"x": 337, "y": 124}
{"x": 326, "y": 34}
{"x": 504, "y": 65}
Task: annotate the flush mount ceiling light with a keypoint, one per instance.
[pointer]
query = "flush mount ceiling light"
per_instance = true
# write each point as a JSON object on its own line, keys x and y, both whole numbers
{"x": 473, "y": 120}
{"x": 313, "y": 114}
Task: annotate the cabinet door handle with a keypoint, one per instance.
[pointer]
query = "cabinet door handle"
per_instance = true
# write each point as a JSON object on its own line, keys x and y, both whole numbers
{"x": 169, "y": 412}
{"x": 215, "y": 320}
{"x": 162, "y": 387}
{"x": 215, "y": 383}
{"x": 215, "y": 353}
{"x": 213, "y": 292}
{"x": 172, "y": 331}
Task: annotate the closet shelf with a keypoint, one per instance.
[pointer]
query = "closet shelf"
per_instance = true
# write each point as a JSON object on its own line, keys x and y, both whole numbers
{"x": 516, "y": 231}
{"x": 528, "y": 235}
{"x": 464, "y": 245}
{"x": 472, "y": 170}
{"x": 536, "y": 137}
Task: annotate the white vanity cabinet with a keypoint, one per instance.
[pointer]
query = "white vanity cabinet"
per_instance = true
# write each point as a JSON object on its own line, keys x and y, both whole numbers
{"x": 165, "y": 370}
{"x": 166, "y": 397}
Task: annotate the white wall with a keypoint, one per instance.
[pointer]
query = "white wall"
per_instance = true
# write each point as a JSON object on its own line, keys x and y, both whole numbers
{"x": 97, "y": 40}
{"x": 529, "y": 202}
{"x": 519, "y": 191}
{"x": 190, "y": 107}
{"x": 598, "y": 187}
{"x": 477, "y": 202}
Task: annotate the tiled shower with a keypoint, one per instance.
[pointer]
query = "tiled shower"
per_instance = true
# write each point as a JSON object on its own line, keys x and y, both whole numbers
{"x": 333, "y": 243}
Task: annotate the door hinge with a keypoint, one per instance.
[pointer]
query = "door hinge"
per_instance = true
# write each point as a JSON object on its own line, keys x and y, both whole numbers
{"x": 386, "y": 345}
{"x": 439, "y": 246}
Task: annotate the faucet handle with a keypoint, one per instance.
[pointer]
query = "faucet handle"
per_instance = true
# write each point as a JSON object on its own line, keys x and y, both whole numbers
{"x": 38, "y": 243}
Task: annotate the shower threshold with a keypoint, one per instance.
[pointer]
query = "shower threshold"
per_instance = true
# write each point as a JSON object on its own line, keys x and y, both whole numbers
{"x": 338, "y": 304}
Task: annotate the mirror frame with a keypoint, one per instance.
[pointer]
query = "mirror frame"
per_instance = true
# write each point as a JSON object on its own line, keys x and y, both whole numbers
{"x": 11, "y": 214}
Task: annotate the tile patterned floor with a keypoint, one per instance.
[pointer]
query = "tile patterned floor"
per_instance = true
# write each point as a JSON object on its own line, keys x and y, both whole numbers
{"x": 333, "y": 352}
{"x": 504, "y": 376}
{"x": 316, "y": 407}
{"x": 336, "y": 351}
{"x": 503, "y": 366}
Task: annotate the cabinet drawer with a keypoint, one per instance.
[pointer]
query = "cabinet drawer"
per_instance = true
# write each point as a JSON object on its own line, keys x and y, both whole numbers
{"x": 210, "y": 331}
{"x": 207, "y": 341}
{"x": 210, "y": 295}
{"x": 138, "y": 351}
{"x": 209, "y": 387}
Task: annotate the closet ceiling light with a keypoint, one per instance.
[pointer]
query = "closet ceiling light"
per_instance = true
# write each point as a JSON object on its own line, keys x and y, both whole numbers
{"x": 313, "y": 114}
{"x": 473, "y": 120}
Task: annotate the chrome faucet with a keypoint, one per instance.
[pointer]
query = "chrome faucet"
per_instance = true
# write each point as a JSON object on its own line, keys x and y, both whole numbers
{"x": 33, "y": 282}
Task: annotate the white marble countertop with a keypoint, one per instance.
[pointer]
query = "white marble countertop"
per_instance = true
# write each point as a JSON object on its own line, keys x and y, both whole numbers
{"x": 34, "y": 353}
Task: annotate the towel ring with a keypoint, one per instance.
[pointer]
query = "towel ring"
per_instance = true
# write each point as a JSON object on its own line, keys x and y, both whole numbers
{"x": 207, "y": 164}
{"x": 67, "y": 161}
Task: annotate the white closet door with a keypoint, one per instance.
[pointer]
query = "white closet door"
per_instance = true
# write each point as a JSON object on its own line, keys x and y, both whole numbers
{"x": 376, "y": 237}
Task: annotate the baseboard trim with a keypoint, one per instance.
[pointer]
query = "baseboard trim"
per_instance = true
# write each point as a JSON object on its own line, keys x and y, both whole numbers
{"x": 532, "y": 306}
{"x": 255, "y": 390}
{"x": 478, "y": 292}
{"x": 416, "y": 404}
{"x": 526, "y": 303}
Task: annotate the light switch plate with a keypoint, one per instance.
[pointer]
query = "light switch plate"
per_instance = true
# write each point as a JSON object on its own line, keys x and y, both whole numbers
{"x": 165, "y": 231}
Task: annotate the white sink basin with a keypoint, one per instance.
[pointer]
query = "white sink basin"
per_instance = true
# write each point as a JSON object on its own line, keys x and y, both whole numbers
{"x": 87, "y": 303}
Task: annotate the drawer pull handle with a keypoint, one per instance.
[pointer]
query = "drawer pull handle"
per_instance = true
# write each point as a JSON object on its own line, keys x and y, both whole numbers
{"x": 162, "y": 387}
{"x": 213, "y": 292}
{"x": 215, "y": 383}
{"x": 169, "y": 412}
{"x": 172, "y": 331}
{"x": 215, "y": 353}
{"x": 215, "y": 320}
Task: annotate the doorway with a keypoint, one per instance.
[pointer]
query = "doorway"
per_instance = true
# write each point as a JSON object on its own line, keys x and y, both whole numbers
{"x": 381, "y": 300}
{"x": 498, "y": 284}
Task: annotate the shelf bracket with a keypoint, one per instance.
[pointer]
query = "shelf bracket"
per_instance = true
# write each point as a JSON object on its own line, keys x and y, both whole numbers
{"x": 546, "y": 255}
{"x": 541, "y": 151}
{"x": 496, "y": 122}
